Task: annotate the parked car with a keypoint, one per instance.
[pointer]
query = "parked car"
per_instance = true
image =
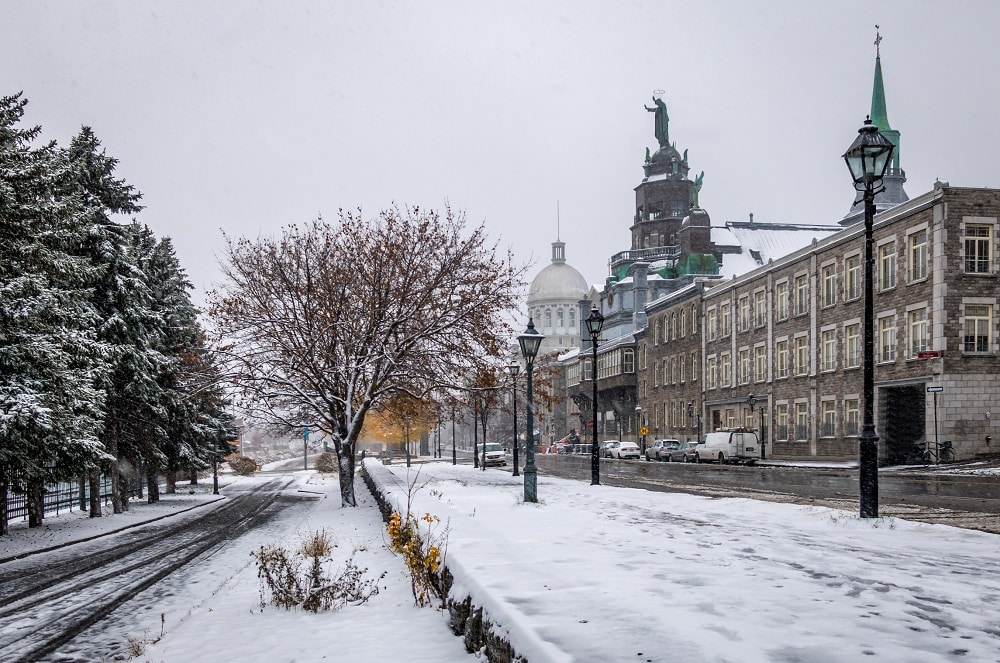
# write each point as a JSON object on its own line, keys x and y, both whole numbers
{"x": 732, "y": 445}
{"x": 659, "y": 448}
{"x": 625, "y": 450}
{"x": 494, "y": 454}
{"x": 605, "y": 449}
{"x": 685, "y": 452}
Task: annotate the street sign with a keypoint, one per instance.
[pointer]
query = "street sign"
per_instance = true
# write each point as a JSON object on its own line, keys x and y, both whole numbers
{"x": 929, "y": 354}
{"x": 644, "y": 431}
{"x": 934, "y": 390}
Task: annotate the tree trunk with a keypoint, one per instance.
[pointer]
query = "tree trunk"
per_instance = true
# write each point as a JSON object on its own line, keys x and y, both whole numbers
{"x": 95, "y": 493}
{"x": 139, "y": 478}
{"x": 34, "y": 503}
{"x": 194, "y": 477}
{"x": 123, "y": 491}
{"x": 345, "y": 465}
{"x": 152, "y": 487}
{"x": 116, "y": 498}
{"x": 171, "y": 477}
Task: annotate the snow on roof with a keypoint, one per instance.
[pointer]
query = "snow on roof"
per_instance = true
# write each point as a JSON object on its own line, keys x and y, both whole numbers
{"x": 761, "y": 242}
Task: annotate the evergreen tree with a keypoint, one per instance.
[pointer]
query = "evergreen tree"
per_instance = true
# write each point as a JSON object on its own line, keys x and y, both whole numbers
{"x": 49, "y": 409}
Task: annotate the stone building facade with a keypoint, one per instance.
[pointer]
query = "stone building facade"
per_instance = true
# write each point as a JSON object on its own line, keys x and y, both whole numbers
{"x": 790, "y": 333}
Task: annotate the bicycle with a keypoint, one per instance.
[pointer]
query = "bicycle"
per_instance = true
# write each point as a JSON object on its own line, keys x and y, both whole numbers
{"x": 945, "y": 453}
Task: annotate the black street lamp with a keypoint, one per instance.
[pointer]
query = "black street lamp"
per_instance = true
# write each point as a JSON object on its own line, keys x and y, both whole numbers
{"x": 594, "y": 323}
{"x": 514, "y": 369}
{"x": 751, "y": 402}
{"x": 530, "y": 341}
{"x": 867, "y": 158}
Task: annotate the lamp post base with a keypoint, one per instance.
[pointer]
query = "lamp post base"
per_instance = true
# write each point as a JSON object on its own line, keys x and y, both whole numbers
{"x": 530, "y": 484}
{"x": 868, "y": 472}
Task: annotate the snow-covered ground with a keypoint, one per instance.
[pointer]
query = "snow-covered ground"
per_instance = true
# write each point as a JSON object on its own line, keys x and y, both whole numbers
{"x": 598, "y": 573}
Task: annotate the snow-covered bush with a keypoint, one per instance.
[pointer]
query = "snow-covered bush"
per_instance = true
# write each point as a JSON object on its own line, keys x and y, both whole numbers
{"x": 242, "y": 465}
{"x": 326, "y": 463}
{"x": 290, "y": 585}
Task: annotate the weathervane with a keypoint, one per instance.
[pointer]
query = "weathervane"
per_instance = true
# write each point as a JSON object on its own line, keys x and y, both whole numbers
{"x": 878, "y": 40}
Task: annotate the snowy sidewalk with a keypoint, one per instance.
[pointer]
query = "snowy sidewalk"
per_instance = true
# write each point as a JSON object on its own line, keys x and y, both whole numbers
{"x": 599, "y": 573}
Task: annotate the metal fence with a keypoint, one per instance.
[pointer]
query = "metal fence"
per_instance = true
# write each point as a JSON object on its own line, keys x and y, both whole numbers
{"x": 64, "y": 496}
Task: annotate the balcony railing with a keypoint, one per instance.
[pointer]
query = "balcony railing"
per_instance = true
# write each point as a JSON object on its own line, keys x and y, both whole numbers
{"x": 646, "y": 255}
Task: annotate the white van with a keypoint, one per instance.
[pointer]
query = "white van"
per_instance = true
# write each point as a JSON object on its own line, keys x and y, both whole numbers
{"x": 729, "y": 445}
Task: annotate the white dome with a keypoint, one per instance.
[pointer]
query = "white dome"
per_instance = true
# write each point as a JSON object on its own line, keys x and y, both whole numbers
{"x": 558, "y": 281}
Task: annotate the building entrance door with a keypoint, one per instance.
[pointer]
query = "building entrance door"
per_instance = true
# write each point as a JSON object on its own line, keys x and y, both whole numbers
{"x": 905, "y": 417}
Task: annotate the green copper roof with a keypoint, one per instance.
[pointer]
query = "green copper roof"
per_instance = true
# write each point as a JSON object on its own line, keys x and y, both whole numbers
{"x": 879, "y": 115}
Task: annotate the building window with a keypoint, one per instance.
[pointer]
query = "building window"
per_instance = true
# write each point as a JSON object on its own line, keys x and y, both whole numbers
{"x": 801, "y": 355}
{"x": 781, "y": 301}
{"x": 744, "y": 366}
{"x": 781, "y": 358}
{"x": 781, "y": 420}
{"x": 683, "y": 322}
{"x": 694, "y": 367}
{"x": 682, "y": 367}
{"x": 548, "y": 322}
{"x": 801, "y": 421}
{"x": 713, "y": 373}
{"x": 725, "y": 320}
{"x": 759, "y": 309}
{"x": 588, "y": 367}
{"x": 694, "y": 320}
{"x": 828, "y": 413}
{"x": 887, "y": 266}
{"x": 852, "y": 277}
{"x": 918, "y": 256}
{"x": 801, "y": 294}
{"x": 852, "y": 346}
{"x": 978, "y": 323}
{"x": 656, "y": 374}
{"x": 851, "y": 416}
{"x": 572, "y": 320}
{"x": 828, "y": 350}
{"x": 628, "y": 360}
{"x": 673, "y": 371}
{"x": 887, "y": 338}
{"x": 918, "y": 332}
{"x": 727, "y": 370}
{"x": 710, "y": 323}
{"x": 829, "y": 285}
{"x": 642, "y": 357}
{"x": 673, "y": 326}
{"x": 978, "y": 245}
{"x": 744, "y": 321}
{"x": 759, "y": 363}
{"x": 559, "y": 318}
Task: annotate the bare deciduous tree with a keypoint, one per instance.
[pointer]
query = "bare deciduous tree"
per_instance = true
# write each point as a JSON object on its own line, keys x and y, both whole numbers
{"x": 332, "y": 320}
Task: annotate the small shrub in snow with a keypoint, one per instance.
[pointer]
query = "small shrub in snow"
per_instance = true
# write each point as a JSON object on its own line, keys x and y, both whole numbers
{"x": 298, "y": 578}
{"x": 423, "y": 552}
{"x": 242, "y": 465}
{"x": 326, "y": 463}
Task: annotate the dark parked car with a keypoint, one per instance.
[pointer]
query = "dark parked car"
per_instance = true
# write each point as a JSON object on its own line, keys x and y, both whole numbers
{"x": 659, "y": 448}
{"x": 685, "y": 452}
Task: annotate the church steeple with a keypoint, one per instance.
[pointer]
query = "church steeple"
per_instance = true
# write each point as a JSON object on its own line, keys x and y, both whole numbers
{"x": 879, "y": 115}
{"x": 892, "y": 193}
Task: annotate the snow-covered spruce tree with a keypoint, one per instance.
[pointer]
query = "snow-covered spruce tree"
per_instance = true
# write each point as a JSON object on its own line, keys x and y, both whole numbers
{"x": 197, "y": 426}
{"x": 49, "y": 409}
{"x": 329, "y": 321}
{"x": 129, "y": 328}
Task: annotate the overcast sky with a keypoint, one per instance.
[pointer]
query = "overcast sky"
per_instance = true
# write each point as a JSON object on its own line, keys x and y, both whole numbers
{"x": 249, "y": 115}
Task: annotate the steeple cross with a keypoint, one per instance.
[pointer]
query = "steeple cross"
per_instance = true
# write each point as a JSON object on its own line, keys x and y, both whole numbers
{"x": 878, "y": 40}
